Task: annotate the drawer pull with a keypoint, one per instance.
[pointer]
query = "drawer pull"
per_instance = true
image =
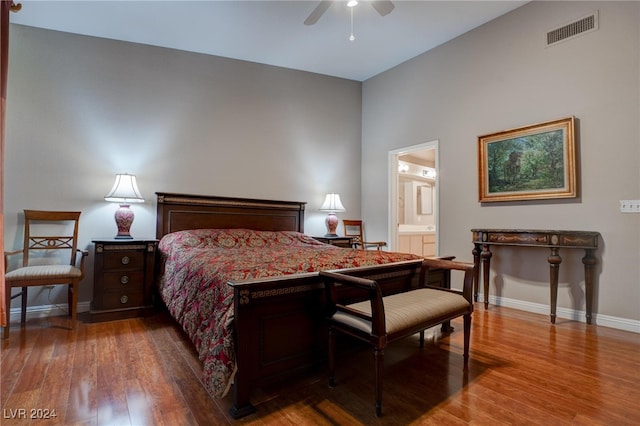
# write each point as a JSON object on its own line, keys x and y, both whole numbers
{"x": 124, "y": 280}
{"x": 125, "y": 260}
{"x": 124, "y": 299}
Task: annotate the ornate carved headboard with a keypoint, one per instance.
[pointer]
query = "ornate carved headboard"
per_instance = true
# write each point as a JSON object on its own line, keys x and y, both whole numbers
{"x": 178, "y": 212}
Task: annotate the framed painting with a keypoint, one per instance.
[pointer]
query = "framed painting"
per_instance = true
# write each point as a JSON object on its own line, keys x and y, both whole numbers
{"x": 535, "y": 162}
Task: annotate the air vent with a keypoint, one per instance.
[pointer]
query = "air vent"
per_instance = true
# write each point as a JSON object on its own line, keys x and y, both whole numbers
{"x": 573, "y": 29}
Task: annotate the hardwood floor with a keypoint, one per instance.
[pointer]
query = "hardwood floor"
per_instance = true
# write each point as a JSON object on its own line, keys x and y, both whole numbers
{"x": 522, "y": 371}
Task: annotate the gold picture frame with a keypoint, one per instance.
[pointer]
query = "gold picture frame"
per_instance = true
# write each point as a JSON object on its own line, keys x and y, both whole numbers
{"x": 535, "y": 162}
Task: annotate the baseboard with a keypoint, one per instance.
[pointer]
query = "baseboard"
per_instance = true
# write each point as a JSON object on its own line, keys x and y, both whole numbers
{"x": 43, "y": 311}
{"x": 598, "y": 319}
{"x": 566, "y": 313}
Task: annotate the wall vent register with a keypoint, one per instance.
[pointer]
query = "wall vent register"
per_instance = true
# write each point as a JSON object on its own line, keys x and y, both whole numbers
{"x": 573, "y": 29}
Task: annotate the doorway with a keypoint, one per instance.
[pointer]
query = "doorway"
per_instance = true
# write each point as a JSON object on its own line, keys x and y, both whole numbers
{"x": 413, "y": 199}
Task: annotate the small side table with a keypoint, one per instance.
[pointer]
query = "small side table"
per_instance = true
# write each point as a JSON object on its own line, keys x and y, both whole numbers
{"x": 346, "y": 242}
{"x": 123, "y": 278}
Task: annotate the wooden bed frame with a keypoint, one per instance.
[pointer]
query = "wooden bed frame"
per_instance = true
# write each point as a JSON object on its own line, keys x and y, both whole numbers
{"x": 280, "y": 328}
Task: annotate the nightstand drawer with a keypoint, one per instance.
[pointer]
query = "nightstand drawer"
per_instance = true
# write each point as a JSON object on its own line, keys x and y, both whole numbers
{"x": 124, "y": 280}
{"x": 123, "y": 259}
{"x": 122, "y": 299}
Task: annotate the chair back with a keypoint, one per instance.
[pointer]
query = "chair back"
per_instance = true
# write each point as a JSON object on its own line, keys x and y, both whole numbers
{"x": 39, "y": 237}
{"x": 354, "y": 229}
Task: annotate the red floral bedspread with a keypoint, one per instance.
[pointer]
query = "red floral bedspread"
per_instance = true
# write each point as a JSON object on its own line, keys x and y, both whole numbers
{"x": 198, "y": 264}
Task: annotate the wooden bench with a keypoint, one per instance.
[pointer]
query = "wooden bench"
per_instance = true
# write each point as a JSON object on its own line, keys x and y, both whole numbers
{"x": 381, "y": 320}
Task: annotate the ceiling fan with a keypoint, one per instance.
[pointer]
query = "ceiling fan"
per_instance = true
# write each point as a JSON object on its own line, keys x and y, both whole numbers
{"x": 383, "y": 7}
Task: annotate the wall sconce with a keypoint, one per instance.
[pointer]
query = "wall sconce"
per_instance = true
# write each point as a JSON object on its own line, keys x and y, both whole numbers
{"x": 332, "y": 204}
{"x": 125, "y": 191}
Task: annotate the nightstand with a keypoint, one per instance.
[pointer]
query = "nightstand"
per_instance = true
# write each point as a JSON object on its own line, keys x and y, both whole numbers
{"x": 123, "y": 278}
{"x": 346, "y": 242}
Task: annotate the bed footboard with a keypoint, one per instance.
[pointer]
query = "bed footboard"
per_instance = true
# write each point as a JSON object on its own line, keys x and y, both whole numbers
{"x": 280, "y": 328}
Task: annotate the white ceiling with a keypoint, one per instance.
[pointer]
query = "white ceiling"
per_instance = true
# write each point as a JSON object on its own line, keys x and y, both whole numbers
{"x": 272, "y": 32}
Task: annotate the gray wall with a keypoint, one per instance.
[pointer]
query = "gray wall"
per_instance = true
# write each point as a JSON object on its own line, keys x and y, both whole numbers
{"x": 501, "y": 76}
{"x": 81, "y": 109}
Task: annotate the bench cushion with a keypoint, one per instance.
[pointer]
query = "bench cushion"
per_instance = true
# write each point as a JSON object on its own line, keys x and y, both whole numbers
{"x": 406, "y": 310}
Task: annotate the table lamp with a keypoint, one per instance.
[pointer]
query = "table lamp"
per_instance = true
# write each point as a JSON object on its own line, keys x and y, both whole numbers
{"x": 125, "y": 191}
{"x": 332, "y": 204}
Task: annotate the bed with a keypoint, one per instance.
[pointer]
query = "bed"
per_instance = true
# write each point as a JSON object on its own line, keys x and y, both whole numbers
{"x": 240, "y": 277}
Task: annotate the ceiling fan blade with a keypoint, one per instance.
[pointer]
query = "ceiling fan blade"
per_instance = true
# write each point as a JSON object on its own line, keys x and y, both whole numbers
{"x": 320, "y": 9}
{"x": 384, "y": 7}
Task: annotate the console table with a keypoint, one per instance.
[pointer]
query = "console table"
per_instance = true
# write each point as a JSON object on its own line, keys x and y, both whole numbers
{"x": 483, "y": 239}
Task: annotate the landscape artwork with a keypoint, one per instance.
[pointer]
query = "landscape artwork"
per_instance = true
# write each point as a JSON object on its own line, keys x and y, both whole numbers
{"x": 528, "y": 163}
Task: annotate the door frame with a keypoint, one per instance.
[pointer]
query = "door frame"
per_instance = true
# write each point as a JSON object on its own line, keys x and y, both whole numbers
{"x": 392, "y": 236}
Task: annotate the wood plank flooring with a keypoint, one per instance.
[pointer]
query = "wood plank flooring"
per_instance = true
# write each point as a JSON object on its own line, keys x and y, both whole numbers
{"x": 522, "y": 371}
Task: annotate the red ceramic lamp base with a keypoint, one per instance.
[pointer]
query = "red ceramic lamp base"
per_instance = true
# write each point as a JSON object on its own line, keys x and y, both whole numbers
{"x": 332, "y": 223}
{"x": 124, "y": 219}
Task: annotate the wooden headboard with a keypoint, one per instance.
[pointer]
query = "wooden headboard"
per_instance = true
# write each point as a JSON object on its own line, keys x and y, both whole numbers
{"x": 178, "y": 212}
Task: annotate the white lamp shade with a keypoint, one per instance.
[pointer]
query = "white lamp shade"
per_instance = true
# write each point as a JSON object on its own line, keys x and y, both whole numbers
{"x": 125, "y": 190}
{"x": 332, "y": 203}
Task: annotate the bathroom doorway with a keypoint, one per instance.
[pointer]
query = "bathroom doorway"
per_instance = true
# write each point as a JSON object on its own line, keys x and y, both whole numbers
{"x": 413, "y": 202}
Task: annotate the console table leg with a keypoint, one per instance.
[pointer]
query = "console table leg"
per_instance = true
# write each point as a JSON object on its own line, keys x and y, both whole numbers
{"x": 554, "y": 260}
{"x": 589, "y": 262}
{"x": 476, "y": 274}
{"x": 486, "y": 265}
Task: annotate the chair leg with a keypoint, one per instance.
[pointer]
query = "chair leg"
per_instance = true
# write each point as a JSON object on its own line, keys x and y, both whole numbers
{"x": 7, "y": 306}
{"x": 23, "y": 310}
{"x": 73, "y": 303}
{"x": 70, "y": 298}
{"x": 379, "y": 361}
{"x": 422, "y": 338}
{"x": 332, "y": 358}
{"x": 467, "y": 335}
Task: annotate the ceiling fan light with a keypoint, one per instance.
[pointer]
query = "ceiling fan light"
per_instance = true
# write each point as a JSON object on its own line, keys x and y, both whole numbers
{"x": 352, "y": 3}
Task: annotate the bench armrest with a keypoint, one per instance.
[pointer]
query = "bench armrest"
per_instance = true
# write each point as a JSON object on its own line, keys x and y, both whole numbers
{"x": 349, "y": 280}
{"x": 377, "y": 317}
{"x": 452, "y": 265}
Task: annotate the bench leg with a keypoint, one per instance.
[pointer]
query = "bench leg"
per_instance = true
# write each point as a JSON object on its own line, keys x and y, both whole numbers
{"x": 467, "y": 335}
{"x": 379, "y": 361}
{"x": 332, "y": 358}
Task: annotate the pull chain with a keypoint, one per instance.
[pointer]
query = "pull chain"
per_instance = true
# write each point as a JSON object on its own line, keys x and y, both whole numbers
{"x": 352, "y": 37}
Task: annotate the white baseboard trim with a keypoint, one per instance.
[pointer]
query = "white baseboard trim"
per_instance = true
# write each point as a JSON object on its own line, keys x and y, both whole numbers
{"x": 566, "y": 313}
{"x": 44, "y": 311}
{"x": 598, "y": 319}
